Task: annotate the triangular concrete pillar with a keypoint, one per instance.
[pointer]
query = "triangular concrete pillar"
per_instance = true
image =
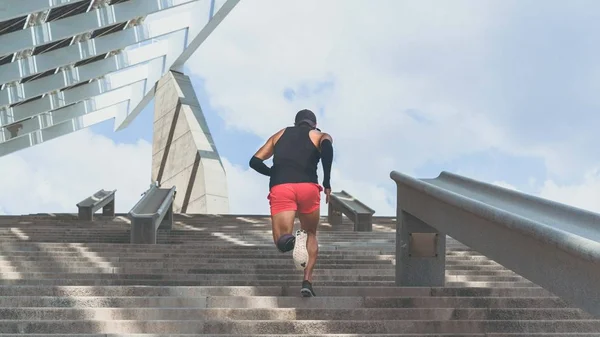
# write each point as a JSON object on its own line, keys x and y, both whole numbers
{"x": 183, "y": 151}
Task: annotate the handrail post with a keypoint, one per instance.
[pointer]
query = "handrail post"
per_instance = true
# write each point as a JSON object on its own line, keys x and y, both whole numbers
{"x": 363, "y": 223}
{"x": 85, "y": 213}
{"x": 143, "y": 231}
{"x": 334, "y": 216}
{"x": 109, "y": 209}
{"x": 420, "y": 251}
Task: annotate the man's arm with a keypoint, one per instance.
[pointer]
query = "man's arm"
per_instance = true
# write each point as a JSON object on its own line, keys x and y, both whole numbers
{"x": 264, "y": 153}
{"x": 327, "y": 158}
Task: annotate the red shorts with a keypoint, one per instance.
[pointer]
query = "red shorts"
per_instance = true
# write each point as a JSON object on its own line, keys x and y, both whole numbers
{"x": 301, "y": 197}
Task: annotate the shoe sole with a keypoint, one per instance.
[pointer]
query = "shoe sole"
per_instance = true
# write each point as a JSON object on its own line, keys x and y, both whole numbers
{"x": 306, "y": 293}
{"x": 300, "y": 254}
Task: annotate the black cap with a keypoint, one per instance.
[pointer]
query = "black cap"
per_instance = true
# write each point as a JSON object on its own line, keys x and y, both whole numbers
{"x": 306, "y": 116}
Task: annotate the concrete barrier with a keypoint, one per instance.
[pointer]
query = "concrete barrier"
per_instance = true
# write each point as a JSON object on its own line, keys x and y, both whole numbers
{"x": 154, "y": 211}
{"x": 101, "y": 199}
{"x": 551, "y": 244}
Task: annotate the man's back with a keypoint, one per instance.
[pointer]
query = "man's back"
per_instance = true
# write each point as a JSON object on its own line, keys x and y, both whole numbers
{"x": 295, "y": 156}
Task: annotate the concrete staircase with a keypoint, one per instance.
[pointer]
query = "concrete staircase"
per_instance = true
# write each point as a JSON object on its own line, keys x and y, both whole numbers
{"x": 221, "y": 276}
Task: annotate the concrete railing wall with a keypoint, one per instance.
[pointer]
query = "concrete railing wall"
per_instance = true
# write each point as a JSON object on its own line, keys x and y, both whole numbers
{"x": 101, "y": 199}
{"x": 342, "y": 203}
{"x": 553, "y": 245}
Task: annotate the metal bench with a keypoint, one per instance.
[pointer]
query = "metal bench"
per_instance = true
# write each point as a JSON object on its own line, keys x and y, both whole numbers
{"x": 101, "y": 199}
{"x": 154, "y": 211}
{"x": 343, "y": 203}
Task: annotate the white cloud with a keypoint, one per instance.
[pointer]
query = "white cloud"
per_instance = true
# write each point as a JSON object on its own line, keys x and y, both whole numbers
{"x": 585, "y": 195}
{"x": 409, "y": 83}
{"x": 248, "y": 190}
{"x": 54, "y": 176}
{"x": 505, "y": 185}
{"x": 249, "y": 62}
{"x": 341, "y": 62}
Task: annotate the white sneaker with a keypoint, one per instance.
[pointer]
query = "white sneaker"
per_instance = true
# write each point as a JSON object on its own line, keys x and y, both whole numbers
{"x": 300, "y": 253}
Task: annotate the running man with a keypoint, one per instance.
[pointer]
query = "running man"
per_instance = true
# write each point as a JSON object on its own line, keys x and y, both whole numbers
{"x": 294, "y": 188}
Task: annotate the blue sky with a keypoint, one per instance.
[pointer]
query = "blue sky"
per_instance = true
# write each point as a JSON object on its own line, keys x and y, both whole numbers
{"x": 503, "y": 91}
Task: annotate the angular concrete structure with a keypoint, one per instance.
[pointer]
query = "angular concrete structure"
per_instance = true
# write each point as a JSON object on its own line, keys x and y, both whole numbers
{"x": 183, "y": 152}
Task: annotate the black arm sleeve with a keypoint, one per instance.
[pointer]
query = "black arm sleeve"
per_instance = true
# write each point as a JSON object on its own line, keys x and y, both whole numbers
{"x": 327, "y": 157}
{"x": 259, "y": 166}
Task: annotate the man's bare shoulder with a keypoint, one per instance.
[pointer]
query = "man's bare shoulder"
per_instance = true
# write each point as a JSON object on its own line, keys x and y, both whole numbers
{"x": 318, "y": 136}
{"x": 325, "y": 135}
{"x": 277, "y": 135}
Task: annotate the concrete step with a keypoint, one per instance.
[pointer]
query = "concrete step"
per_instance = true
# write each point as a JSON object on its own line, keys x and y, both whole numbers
{"x": 276, "y": 266}
{"x": 266, "y": 254}
{"x": 222, "y": 249}
{"x": 116, "y": 230}
{"x": 263, "y": 335}
{"x": 281, "y": 262}
{"x": 247, "y": 327}
{"x": 226, "y": 239}
{"x": 289, "y": 314}
{"x": 280, "y": 291}
{"x": 543, "y": 334}
{"x": 291, "y": 302}
{"x": 222, "y": 276}
{"x": 167, "y": 282}
{"x": 132, "y": 268}
{"x": 242, "y": 259}
{"x": 183, "y": 234}
{"x": 203, "y": 275}
{"x": 324, "y": 262}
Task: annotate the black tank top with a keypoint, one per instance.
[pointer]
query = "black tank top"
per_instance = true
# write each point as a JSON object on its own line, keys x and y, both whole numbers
{"x": 295, "y": 158}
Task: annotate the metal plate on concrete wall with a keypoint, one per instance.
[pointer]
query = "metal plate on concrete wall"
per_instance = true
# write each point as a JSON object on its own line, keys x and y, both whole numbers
{"x": 422, "y": 245}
